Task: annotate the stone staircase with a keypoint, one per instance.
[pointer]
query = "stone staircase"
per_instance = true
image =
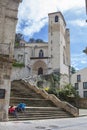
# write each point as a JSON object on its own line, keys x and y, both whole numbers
{"x": 38, "y": 107}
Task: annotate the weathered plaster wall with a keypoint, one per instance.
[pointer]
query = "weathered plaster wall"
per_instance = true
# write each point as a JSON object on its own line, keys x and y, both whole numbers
{"x": 8, "y": 20}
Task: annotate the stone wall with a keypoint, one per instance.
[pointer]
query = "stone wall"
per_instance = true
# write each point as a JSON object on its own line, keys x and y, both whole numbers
{"x": 5, "y": 70}
{"x": 83, "y": 103}
{"x": 20, "y": 73}
{"x": 80, "y": 88}
{"x": 8, "y": 20}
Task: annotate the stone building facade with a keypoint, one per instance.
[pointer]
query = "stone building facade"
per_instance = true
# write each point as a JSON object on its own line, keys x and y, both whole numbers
{"x": 46, "y": 58}
{"x": 79, "y": 81}
{"x": 8, "y": 20}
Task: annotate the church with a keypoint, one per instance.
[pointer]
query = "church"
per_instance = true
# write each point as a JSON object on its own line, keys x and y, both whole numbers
{"x": 46, "y": 58}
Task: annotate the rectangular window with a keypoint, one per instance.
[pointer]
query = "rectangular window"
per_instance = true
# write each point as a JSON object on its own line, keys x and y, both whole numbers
{"x": 85, "y": 85}
{"x": 51, "y": 41}
{"x": 77, "y": 92}
{"x": 85, "y": 94}
{"x": 76, "y": 86}
{"x": 78, "y": 78}
{"x": 2, "y": 93}
{"x": 20, "y": 58}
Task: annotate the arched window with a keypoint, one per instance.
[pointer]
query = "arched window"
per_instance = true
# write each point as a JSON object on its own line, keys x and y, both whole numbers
{"x": 40, "y": 71}
{"x": 56, "y": 18}
{"x": 41, "y": 54}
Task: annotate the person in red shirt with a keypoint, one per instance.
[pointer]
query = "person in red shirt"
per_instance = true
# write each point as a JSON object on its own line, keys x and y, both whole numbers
{"x": 12, "y": 111}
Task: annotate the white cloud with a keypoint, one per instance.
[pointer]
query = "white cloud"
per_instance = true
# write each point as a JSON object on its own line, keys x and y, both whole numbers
{"x": 79, "y": 60}
{"x": 77, "y": 22}
{"x": 34, "y": 28}
{"x": 37, "y": 12}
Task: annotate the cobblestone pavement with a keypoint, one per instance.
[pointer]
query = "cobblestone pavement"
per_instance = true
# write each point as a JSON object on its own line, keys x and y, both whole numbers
{"x": 79, "y": 123}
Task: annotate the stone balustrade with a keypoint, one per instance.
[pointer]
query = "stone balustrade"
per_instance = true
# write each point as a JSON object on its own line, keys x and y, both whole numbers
{"x": 61, "y": 104}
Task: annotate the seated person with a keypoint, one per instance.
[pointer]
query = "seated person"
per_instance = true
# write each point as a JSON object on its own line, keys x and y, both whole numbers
{"x": 21, "y": 107}
{"x": 12, "y": 110}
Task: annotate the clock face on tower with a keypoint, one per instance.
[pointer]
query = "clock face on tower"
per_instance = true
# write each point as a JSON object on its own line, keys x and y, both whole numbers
{"x": 56, "y": 18}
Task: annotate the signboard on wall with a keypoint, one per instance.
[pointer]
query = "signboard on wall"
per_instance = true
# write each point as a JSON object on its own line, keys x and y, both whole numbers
{"x": 2, "y": 93}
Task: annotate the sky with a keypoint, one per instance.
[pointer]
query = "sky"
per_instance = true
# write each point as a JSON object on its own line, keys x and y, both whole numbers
{"x": 33, "y": 22}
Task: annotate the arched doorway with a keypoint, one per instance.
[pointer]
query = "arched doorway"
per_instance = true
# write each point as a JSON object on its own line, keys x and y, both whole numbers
{"x": 40, "y": 71}
{"x": 39, "y": 67}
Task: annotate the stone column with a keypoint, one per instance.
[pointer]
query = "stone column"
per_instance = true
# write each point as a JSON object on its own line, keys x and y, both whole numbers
{"x": 8, "y": 20}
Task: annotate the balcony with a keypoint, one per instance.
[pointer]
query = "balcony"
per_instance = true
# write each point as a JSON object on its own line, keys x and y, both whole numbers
{"x": 34, "y": 58}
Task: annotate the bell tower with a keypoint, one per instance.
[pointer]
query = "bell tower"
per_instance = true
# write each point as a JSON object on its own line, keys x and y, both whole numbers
{"x": 59, "y": 45}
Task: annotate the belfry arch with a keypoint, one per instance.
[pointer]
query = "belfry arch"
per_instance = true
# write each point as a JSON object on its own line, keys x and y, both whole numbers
{"x": 8, "y": 20}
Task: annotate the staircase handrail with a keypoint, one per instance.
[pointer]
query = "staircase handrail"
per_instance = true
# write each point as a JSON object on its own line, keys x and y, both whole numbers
{"x": 61, "y": 104}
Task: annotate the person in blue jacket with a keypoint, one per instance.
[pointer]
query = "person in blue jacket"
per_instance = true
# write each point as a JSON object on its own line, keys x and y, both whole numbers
{"x": 21, "y": 107}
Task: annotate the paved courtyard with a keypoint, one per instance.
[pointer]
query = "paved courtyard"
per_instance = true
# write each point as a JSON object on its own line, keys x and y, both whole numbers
{"x": 79, "y": 123}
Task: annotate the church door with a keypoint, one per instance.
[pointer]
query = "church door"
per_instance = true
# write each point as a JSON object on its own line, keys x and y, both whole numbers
{"x": 40, "y": 71}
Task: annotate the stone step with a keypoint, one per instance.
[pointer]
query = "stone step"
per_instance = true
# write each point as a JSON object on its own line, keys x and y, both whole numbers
{"x": 41, "y": 113}
{"x": 44, "y": 110}
{"x": 37, "y": 106}
{"x": 28, "y": 95}
{"x": 32, "y": 102}
{"x": 23, "y": 90}
{"x": 38, "y": 118}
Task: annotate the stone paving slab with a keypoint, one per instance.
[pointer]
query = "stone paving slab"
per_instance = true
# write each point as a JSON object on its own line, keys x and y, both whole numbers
{"x": 79, "y": 123}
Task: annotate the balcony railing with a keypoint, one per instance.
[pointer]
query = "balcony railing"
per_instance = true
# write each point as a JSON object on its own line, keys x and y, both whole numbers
{"x": 33, "y": 58}
{"x": 5, "y": 49}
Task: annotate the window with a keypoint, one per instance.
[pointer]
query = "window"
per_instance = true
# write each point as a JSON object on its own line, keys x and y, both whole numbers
{"x": 85, "y": 85}
{"x": 20, "y": 57}
{"x": 51, "y": 56}
{"x": 56, "y": 18}
{"x": 51, "y": 41}
{"x": 2, "y": 93}
{"x": 76, "y": 86}
{"x": 78, "y": 78}
{"x": 41, "y": 54}
{"x": 85, "y": 94}
{"x": 32, "y": 53}
{"x": 63, "y": 59}
{"x": 77, "y": 92}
